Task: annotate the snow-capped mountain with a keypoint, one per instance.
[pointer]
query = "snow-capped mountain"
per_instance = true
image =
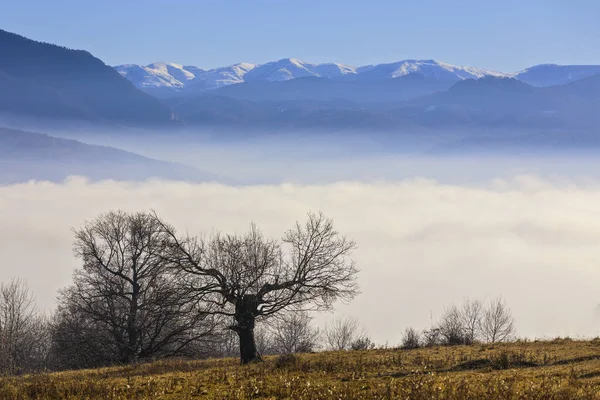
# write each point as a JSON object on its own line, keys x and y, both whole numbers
{"x": 168, "y": 79}
{"x": 160, "y": 74}
{"x": 553, "y": 74}
{"x": 290, "y": 68}
{"x": 165, "y": 78}
{"x": 219, "y": 77}
{"x": 430, "y": 68}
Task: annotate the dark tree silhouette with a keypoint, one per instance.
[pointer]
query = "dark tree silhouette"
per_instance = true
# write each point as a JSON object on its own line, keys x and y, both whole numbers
{"x": 249, "y": 277}
{"x": 131, "y": 305}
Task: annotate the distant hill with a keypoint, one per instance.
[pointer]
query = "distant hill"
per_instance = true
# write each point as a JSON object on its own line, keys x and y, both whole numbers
{"x": 28, "y": 155}
{"x": 398, "y": 89}
{"x": 489, "y": 102}
{"x": 508, "y": 102}
{"x": 227, "y": 112}
{"x": 553, "y": 75}
{"x": 44, "y": 80}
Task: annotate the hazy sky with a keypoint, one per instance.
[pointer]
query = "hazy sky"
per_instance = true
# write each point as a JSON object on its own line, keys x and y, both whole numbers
{"x": 422, "y": 245}
{"x": 505, "y": 35}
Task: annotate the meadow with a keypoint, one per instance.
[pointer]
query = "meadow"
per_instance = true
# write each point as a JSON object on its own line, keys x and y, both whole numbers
{"x": 558, "y": 369}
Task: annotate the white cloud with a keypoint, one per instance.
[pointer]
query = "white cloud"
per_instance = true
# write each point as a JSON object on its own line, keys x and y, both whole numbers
{"x": 422, "y": 244}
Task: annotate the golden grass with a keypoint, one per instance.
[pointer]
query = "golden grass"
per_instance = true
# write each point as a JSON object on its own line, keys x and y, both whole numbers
{"x": 560, "y": 369}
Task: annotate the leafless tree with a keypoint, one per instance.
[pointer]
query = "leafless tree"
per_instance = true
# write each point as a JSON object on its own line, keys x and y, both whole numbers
{"x": 265, "y": 342}
{"x": 23, "y": 344}
{"x": 293, "y": 332}
{"x": 471, "y": 314}
{"x": 340, "y": 333}
{"x": 451, "y": 327}
{"x": 124, "y": 304}
{"x": 498, "y": 323}
{"x": 249, "y": 277}
{"x": 457, "y": 325}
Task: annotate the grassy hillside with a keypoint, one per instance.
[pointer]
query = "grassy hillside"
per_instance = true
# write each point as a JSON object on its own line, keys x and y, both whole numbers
{"x": 560, "y": 369}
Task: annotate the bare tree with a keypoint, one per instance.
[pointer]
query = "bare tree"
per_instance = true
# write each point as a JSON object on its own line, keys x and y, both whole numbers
{"x": 451, "y": 327}
{"x": 249, "y": 277}
{"x": 22, "y": 330}
{"x": 124, "y": 304}
{"x": 498, "y": 323}
{"x": 293, "y": 333}
{"x": 265, "y": 342}
{"x": 457, "y": 325}
{"x": 340, "y": 333}
{"x": 227, "y": 344}
{"x": 471, "y": 314}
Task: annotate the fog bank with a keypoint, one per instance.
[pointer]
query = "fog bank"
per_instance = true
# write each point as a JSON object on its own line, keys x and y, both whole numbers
{"x": 422, "y": 244}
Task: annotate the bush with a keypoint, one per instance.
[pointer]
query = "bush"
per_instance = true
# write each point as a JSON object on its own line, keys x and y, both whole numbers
{"x": 502, "y": 361}
{"x": 411, "y": 339}
{"x": 452, "y": 329}
{"x": 362, "y": 343}
{"x": 431, "y": 337}
{"x": 286, "y": 361}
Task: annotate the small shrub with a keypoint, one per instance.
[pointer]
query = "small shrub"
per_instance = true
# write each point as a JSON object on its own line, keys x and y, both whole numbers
{"x": 411, "y": 339}
{"x": 286, "y": 361}
{"x": 431, "y": 337}
{"x": 362, "y": 343}
{"x": 502, "y": 361}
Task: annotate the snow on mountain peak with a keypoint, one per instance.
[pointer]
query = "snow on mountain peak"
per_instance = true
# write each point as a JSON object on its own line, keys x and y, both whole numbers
{"x": 172, "y": 76}
{"x": 158, "y": 74}
{"x": 429, "y": 68}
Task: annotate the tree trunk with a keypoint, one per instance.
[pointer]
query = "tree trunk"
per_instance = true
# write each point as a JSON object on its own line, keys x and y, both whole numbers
{"x": 133, "y": 337}
{"x": 245, "y": 317}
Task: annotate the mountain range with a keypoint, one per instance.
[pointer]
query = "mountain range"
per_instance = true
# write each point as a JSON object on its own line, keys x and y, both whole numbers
{"x": 170, "y": 79}
{"x": 489, "y": 102}
{"x": 45, "y": 81}
{"x": 454, "y": 109}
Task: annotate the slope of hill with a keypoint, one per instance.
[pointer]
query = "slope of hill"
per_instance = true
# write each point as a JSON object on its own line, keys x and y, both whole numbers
{"x": 27, "y": 155}
{"x": 40, "y": 79}
{"x": 510, "y": 102}
{"x": 553, "y": 75}
{"x": 558, "y": 369}
{"x": 392, "y": 90}
{"x": 227, "y": 112}
{"x": 488, "y": 96}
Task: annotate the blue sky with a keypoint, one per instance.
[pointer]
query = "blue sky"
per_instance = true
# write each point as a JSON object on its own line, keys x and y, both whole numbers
{"x": 505, "y": 35}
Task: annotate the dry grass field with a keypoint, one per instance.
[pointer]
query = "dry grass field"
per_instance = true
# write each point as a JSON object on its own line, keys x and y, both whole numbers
{"x": 559, "y": 369}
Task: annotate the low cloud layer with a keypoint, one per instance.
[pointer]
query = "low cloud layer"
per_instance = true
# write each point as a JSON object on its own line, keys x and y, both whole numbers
{"x": 422, "y": 245}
